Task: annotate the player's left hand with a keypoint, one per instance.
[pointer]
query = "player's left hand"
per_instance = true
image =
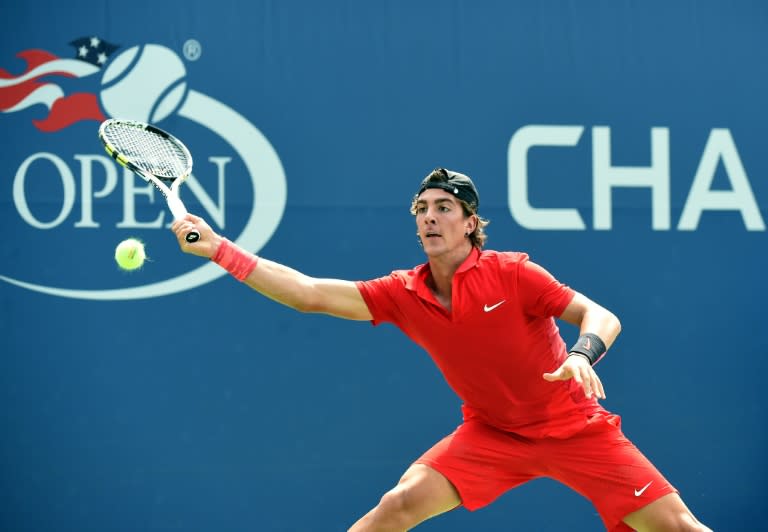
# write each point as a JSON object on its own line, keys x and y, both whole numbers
{"x": 577, "y": 367}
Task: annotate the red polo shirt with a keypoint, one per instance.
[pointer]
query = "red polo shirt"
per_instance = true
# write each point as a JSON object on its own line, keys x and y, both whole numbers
{"x": 495, "y": 343}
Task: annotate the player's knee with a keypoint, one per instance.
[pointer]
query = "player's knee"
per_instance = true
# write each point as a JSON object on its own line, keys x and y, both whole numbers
{"x": 398, "y": 508}
{"x": 667, "y": 514}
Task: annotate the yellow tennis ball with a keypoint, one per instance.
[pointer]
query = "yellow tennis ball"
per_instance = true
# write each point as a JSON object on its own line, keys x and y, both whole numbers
{"x": 129, "y": 254}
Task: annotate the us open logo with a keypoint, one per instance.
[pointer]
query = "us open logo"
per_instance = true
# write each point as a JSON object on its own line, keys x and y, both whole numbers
{"x": 144, "y": 83}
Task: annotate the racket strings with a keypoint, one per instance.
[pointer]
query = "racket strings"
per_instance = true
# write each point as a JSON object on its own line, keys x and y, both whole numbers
{"x": 149, "y": 151}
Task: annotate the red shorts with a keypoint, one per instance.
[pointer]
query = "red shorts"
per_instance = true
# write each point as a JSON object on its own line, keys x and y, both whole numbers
{"x": 598, "y": 462}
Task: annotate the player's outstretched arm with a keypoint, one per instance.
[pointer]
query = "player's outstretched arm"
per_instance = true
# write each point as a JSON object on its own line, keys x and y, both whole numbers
{"x": 278, "y": 282}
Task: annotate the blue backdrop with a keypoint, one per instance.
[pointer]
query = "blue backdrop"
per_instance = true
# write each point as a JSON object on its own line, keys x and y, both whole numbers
{"x": 619, "y": 143}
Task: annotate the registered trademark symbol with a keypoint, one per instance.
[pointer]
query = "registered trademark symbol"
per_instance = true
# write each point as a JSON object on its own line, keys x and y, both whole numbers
{"x": 192, "y": 50}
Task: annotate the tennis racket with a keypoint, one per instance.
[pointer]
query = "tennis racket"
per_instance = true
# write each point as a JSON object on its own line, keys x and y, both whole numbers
{"x": 154, "y": 155}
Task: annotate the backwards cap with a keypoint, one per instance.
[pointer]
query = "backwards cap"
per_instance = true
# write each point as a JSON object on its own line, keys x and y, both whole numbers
{"x": 457, "y": 184}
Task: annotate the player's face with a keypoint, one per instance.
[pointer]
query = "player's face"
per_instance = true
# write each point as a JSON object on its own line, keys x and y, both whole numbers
{"x": 441, "y": 222}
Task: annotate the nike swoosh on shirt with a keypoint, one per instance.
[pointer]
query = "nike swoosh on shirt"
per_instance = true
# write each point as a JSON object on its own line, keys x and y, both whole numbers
{"x": 491, "y": 307}
{"x": 641, "y": 490}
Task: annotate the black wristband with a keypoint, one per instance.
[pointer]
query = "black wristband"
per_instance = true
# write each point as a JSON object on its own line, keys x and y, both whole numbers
{"x": 591, "y": 346}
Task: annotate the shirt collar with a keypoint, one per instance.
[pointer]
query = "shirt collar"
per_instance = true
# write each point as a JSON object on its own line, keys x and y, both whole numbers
{"x": 470, "y": 261}
{"x": 420, "y": 272}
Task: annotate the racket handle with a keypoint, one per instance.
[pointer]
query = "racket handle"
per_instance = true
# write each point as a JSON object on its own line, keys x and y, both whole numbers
{"x": 179, "y": 211}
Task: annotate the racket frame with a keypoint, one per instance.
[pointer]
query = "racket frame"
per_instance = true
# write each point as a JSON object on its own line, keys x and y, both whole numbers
{"x": 171, "y": 194}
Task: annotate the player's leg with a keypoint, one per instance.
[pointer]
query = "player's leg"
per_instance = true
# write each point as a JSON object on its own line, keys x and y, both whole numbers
{"x": 667, "y": 513}
{"x": 472, "y": 467}
{"x": 626, "y": 488}
{"x": 421, "y": 493}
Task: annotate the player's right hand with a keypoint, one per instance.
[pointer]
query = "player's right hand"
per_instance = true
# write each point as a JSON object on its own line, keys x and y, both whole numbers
{"x": 209, "y": 240}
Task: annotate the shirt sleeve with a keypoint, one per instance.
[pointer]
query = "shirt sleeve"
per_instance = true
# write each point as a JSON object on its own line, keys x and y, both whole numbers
{"x": 380, "y": 296}
{"x": 541, "y": 294}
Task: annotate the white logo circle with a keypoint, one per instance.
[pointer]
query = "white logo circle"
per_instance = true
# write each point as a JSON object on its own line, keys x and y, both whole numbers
{"x": 261, "y": 162}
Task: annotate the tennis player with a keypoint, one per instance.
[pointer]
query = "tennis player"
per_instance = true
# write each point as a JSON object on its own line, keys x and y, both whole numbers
{"x": 487, "y": 318}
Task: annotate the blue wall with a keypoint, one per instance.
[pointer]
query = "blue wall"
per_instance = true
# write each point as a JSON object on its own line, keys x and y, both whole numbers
{"x": 173, "y": 398}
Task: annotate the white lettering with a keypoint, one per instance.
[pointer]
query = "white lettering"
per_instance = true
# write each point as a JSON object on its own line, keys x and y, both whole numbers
{"x": 607, "y": 177}
{"x": 720, "y": 146}
{"x": 20, "y": 198}
{"x": 215, "y": 211}
{"x": 517, "y": 159}
{"x": 130, "y": 191}
{"x": 87, "y": 193}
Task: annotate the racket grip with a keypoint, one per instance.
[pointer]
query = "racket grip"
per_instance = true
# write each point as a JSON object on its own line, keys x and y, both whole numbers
{"x": 179, "y": 212}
